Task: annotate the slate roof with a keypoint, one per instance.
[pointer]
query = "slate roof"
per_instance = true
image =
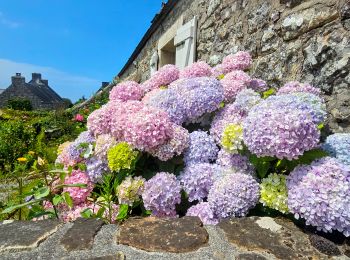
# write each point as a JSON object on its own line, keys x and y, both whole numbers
{"x": 43, "y": 91}
{"x": 2, "y": 90}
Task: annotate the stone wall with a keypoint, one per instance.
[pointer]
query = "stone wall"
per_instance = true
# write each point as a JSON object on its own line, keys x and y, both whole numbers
{"x": 167, "y": 238}
{"x": 305, "y": 40}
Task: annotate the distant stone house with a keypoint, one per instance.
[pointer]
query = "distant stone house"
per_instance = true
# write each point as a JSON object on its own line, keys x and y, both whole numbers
{"x": 305, "y": 40}
{"x": 37, "y": 91}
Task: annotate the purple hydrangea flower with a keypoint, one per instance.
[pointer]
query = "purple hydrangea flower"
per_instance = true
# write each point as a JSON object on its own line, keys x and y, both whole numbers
{"x": 296, "y": 87}
{"x": 188, "y": 99}
{"x": 204, "y": 212}
{"x": 246, "y": 99}
{"x": 197, "y": 179}
{"x": 96, "y": 168}
{"x": 202, "y": 148}
{"x": 258, "y": 85}
{"x": 230, "y": 114}
{"x": 235, "y": 162}
{"x": 280, "y": 129}
{"x": 338, "y": 146}
{"x": 233, "y": 195}
{"x": 319, "y": 193}
{"x": 161, "y": 193}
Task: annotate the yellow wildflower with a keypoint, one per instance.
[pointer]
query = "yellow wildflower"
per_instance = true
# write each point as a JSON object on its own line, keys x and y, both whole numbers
{"x": 22, "y": 160}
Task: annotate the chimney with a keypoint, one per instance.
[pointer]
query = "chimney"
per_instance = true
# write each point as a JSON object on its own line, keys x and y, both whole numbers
{"x": 104, "y": 84}
{"x": 18, "y": 80}
{"x": 36, "y": 76}
{"x": 45, "y": 82}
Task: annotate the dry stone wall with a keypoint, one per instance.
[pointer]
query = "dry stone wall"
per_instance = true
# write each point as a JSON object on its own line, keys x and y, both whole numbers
{"x": 305, "y": 40}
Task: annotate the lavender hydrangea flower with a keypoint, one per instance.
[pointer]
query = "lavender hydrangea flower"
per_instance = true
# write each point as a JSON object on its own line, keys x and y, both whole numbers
{"x": 283, "y": 131}
{"x": 188, "y": 99}
{"x": 338, "y": 146}
{"x": 96, "y": 168}
{"x": 196, "y": 180}
{"x": 161, "y": 194}
{"x": 204, "y": 212}
{"x": 246, "y": 99}
{"x": 202, "y": 148}
{"x": 319, "y": 193}
{"x": 236, "y": 162}
{"x": 175, "y": 146}
{"x": 230, "y": 114}
{"x": 296, "y": 87}
{"x": 233, "y": 195}
{"x": 258, "y": 85}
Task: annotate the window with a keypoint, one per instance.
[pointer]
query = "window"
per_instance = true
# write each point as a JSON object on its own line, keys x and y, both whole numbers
{"x": 178, "y": 44}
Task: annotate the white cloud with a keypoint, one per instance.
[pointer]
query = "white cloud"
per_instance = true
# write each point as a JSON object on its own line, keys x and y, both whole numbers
{"x": 8, "y": 23}
{"x": 65, "y": 84}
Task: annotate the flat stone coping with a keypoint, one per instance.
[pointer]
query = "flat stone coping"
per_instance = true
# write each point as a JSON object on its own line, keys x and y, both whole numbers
{"x": 248, "y": 238}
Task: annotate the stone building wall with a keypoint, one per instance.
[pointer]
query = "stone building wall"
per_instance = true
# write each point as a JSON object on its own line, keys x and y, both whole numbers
{"x": 305, "y": 40}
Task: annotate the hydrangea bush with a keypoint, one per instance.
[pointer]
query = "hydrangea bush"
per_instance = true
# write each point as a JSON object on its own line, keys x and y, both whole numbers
{"x": 209, "y": 142}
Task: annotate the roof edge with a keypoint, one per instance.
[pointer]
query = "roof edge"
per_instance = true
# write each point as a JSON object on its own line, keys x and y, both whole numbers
{"x": 157, "y": 20}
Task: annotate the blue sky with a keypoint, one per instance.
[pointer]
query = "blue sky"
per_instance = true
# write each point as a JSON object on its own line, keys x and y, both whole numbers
{"x": 75, "y": 44}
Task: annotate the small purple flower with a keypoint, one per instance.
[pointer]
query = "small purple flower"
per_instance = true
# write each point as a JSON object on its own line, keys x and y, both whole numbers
{"x": 204, "y": 212}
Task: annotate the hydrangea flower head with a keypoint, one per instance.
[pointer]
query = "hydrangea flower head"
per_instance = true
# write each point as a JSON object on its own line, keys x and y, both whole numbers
{"x": 202, "y": 148}
{"x": 128, "y": 90}
{"x": 197, "y": 179}
{"x": 230, "y": 114}
{"x": 130, "y": 190}
{"x": 163, "y": 77}
{"x": 173, "y": 147}
{"x": 96, "y": 168}
{"x": 282, "y": 131}
{"x": 246, "y": 99}
{"x": 258, "y": 85}
{"x": 121, "y": 157}
{"x": 238, "y": 61}
{"x": 233, "y": 83}
{"x": 204, "y": 212}
{"x": 103, "y": 143}
{"x": 78, "y": 194}
{"x": 161, "y": 194}
{"x": 319, "y": 193}
{"x": 296, "y": 87}
{"x": 197, "y": 69}
{"x": 338, "y": 146}
{"x": 232, "y": 138}
{"x": 235, "y": 162}
{"x": 273, "y": 192}
{"x": 233, "y": 195}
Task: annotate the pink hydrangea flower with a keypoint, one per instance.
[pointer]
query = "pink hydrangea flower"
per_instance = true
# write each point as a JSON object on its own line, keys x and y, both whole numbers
{"x": 78, "y": 194}
{"x": 233, "y": 83}
{"x": 296, "y": 86}
{"x": 239, "y": 61}
{"x": 163, "y": 77}
{"x": 128, "y": 90}
{"x": 197, "y": 69}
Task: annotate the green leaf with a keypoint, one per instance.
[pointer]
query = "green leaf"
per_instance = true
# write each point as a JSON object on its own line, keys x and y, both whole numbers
{"x": 68, "y": 199}
{"x": 123, "y": 212}
{"x": 222, "y": 104}
{"x": 268, "y": 93}
{"x": 78, "y": 185}
{"x": 13, "y": 208}
{"x": 221, "y": 76}
{"x": 57, "y": 199}
{"x": 42, "y": 192}
{"x": 100, "y": 212}
{"x": 320, "y": 126}
{"x": 86, "y": 213}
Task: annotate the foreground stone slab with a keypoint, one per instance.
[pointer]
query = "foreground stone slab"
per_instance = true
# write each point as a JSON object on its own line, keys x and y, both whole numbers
{"x": 81, "y": 235}
{"x": 118, "y": 256}
{"x": 277, "y": 237}
{"x": 25, "y": 235}
{"x": 176, "y": 235}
